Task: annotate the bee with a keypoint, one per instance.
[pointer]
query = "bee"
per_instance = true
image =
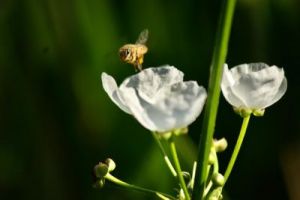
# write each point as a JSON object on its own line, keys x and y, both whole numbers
{"x": 134, "y": 53}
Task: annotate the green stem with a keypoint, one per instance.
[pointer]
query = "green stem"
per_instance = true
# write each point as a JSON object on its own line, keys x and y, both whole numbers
{"x": 137, "y": 188}
{"x": 166, "y": 158}
{"x": 216, "y": 163}
{"x": 211, "y": 108}
{"x": 215, "y": 170}
{"x": 237, "y": 147}
{"x": 193, "y": 174}
{"x": 178, "y": 169}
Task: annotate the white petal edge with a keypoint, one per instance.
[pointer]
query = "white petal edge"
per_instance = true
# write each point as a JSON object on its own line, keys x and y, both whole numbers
{"x": 226, "y": 85}
{"x": 111, "y": 88}
{"x": 281, "y": 91}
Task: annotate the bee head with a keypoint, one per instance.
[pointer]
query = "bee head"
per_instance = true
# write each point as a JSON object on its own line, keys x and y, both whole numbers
{"x": 124, "y": 53}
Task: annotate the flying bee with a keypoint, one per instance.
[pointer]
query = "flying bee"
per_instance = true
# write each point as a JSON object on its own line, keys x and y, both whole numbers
{"x": 134, "y": 53}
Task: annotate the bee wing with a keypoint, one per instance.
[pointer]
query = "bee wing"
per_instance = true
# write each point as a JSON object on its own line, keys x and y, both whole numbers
{"x": 143, "y": 37}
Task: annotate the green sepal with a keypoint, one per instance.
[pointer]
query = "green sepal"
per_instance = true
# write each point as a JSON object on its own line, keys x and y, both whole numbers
{"x": 168, "y": 134}
{"x": 180, "y": 131}
{"x": 243, "y": 112}
{"x": 258, "y": 112}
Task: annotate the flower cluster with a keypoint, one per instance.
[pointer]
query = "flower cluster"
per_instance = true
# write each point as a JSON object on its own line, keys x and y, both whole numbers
{"x": 161, "y": 101}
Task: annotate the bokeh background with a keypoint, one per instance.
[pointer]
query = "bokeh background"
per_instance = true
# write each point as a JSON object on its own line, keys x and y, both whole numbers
{"x": 56, "y": 122}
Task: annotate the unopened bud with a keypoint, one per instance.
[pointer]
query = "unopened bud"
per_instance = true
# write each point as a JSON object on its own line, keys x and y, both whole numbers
{"x": 220, "y": 145}
{"x": 111, "y": 164}
{"x": 101, "y": 170}
{"x": 218, "y": 180}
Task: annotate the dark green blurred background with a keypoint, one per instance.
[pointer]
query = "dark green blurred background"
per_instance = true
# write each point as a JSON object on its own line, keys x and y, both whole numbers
{"x": 56, "y": 122}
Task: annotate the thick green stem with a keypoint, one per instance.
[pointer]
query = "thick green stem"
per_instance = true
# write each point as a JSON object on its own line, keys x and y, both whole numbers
{"x": 166, "y": 158}
{"x": 237, "y": 147}
{"x": 178, "y": 169}
{"x": 137, "y": 188}
{"x": 210, "y": 113}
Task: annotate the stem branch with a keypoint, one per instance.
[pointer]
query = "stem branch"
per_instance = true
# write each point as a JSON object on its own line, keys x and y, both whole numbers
{"x": 137, "y": 188}
{"x": 237, "y": 147}
{"x": 178, "y": 168}
{"x": 166, "y": 158}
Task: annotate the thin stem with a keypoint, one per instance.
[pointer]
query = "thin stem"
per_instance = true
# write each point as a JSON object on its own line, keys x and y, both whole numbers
{"x": 210, "y": 113}
{"x": 166, "y": 158}
{"x": 178, "y": 169}
{"x": 237, "y": 147}
{"x": 215, "y": 170}
{"x": 193, "y": 174}
{"x": 137, "y": 188}
{"x": 216, "y": 163}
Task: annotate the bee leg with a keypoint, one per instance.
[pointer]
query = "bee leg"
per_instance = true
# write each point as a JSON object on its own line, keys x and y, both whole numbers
{"x": 139, "y": 67}
{"x": 139, "y": 63}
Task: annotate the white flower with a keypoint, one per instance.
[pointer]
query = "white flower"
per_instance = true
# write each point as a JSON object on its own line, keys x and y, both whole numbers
{"x": 253, "y": 86}
{"x": 158, "y": 98}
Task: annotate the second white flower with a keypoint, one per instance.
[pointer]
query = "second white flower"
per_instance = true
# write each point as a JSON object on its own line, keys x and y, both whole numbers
{"x": 253, "y": 86}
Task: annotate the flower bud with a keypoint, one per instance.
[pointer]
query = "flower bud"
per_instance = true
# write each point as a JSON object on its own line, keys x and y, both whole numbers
{"x": 101, "y": 170}
{"x": 111, "y": 164}
{"x": 218, "y": 180}
{"x": 220, "y": 145}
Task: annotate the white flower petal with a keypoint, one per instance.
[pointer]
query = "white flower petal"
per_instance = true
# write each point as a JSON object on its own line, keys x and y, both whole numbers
{"x": 281, "y": 91}
{"x": 227, "y": 82}
{"x": 257, "y": 88}
{"x": 181, "y": 102}
{"x": 243, "y": 69}
{"x": 111, "y": 88}
{"x": 150, "y": 80}
{"x": 254, "y": 86}
{"x": 175, "y": 106}
{"x": 137, "y": 108}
